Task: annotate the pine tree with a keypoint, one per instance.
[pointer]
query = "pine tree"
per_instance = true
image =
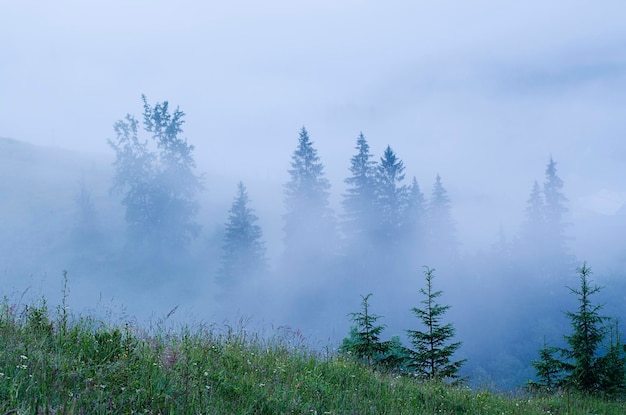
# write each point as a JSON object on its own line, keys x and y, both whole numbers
{"x": 554, "y": 210}
{"x": 583, "y": 365}
{"x": 535, "y": 222}
{"x": 414, "y": 213}
{"x": 391, "y": 198}
{"x": 533, "y": 230}
{"x": 442, "y": 230}
{"x": 364, "y": 342}
{"x": 309, "y": 223}
{"x": 550, "y": 370}
{"x": 613, "y": 364}
{"x": 359, "y": 199}
{"x": 156, "y": 180}
{"x": 431, "y": 356}
{"x": 243, "y": 249}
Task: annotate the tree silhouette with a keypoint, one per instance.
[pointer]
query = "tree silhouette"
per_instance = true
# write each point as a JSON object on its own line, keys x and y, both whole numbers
{"x": 308, "y": 223}
{"x": 441, "y": 228}
{"x": 391, "y": 199}
{"x": 359, "y": 199}
{"x": 243, "y": 250}
{"x": 554, "y": 210}
{"x": 156, "y": 179}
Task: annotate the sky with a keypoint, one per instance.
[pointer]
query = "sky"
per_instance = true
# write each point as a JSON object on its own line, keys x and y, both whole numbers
{"x": 482, "y": 93}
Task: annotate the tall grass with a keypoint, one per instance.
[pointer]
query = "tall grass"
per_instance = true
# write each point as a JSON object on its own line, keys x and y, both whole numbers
{"x": 55, "y": 363}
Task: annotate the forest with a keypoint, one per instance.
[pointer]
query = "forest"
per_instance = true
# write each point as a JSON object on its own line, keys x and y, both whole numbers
{"x": 134, "y": 229}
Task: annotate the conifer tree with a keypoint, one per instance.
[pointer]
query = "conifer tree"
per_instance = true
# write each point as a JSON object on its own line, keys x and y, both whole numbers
{"x": 613, "y": 364}
{"x": 584, "y": 368}
{"x": 364, "y": 342}
{"x": 391, "y": 198}
{"x": 359, "y": 199}
{"x": 243, "y": 250}
{"x": 431, "y": 356}
{"x": 583, "y": 365}
{"x": 533, "y": 230}
{"x": 550, "y": 370}
{"x": 554, "y": 210}
{"x": 534, "y": 224}
{"x": 414, "y": 213}
{"x": 442, "y": 230}
{"x": 308, "y": 223}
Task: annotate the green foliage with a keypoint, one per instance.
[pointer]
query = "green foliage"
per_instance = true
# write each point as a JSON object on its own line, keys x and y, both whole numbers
{"x": 431, "y": 356}
{"x": 550, "y": 370}
{"x": 613, "y": 364}
{"x": 584, "y": 368}
{"x": 588, "y": 332}
{"x": 220, "y": 371}
{"x": 364, "y": 342}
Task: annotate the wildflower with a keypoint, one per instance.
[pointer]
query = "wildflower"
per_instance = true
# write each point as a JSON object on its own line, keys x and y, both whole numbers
{"x": 22, "y": 357}
{"x": 1, "y": 375}
{"x": 261, "y": 384}
{"x": 206, "y": 373}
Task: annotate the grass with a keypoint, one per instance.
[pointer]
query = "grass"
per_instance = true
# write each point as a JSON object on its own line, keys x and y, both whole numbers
{"x": 55, "y": 363}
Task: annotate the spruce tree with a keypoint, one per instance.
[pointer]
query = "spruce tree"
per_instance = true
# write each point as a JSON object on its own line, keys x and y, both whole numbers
{"x": 243, "y": 250}
{"x": 364, "y": 342}
{"x": 431, "y": 356}
{"x": 359, "y": 199}
{"x": 308, "y": 223}
{"x": 584, "y": 368}
{"x": 414, "y": 214}
{"x": 391, "y": 198}
{"x": 531, "y": 244}
{"x": 613, "y": 364}
{"x": 583, "y": 365}
{"x": 441, "y": 228}
{"x": 535, "y": 221}
{"x": 549, "y": 369}
{"x": 554, "y": 210}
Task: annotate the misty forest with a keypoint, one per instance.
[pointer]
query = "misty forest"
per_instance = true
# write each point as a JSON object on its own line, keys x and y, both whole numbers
{"x": 376, "y": 269}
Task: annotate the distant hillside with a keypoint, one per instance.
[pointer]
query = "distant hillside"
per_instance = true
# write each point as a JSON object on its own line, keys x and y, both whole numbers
{"x": 38, "y": 190}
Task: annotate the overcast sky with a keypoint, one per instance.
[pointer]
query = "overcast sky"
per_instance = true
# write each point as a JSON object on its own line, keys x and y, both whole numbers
{"x": 480, "y": 92}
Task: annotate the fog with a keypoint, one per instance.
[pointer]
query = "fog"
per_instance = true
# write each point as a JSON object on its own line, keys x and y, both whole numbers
{"x": 482, "y": 95}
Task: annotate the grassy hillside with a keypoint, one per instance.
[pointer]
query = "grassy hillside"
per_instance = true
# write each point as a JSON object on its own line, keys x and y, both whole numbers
{"x": 53, "y": 362}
